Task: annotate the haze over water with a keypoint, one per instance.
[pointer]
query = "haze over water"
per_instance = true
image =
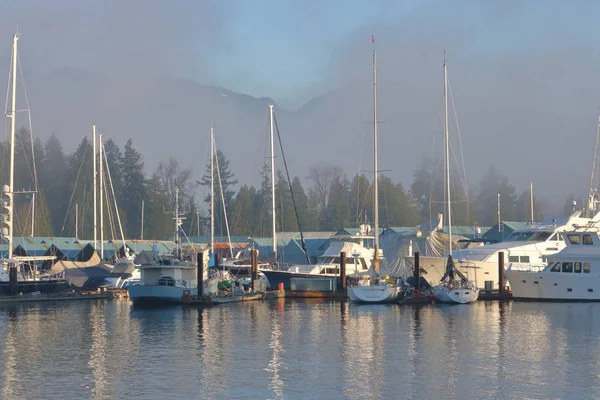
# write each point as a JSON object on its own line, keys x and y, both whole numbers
{"x": 298, "y": 350}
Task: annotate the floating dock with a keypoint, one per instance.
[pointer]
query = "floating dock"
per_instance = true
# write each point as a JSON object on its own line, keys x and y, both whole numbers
{"x": 68, "y": 296}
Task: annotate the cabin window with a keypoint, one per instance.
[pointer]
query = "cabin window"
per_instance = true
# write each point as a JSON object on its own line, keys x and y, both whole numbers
{"x": 586, "y": 268}
{"x": 574, "y": 239}
{"x": 513, "y": 259}
{"x": 553, "y": 237}
{"x": 567, "y": 267}
{"x": 555, "y": 268}
{"x": 561, "y": 237}
{"x": 578, "y": 267}
{"x": 587, "y": 240}
{"x": 525, "y": 259}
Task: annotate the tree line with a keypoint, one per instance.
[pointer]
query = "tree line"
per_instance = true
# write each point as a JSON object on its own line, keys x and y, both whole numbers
{"x": 325, "y": 200}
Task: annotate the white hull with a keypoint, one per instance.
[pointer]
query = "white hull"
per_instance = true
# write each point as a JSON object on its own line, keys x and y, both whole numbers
{"x": 157, "y": 294}
{"x": 374, "y": 294}
{"x": 455, "y": 296}
{"x": 554, "y": 286}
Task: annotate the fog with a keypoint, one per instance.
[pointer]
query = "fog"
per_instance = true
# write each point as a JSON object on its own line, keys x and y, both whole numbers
{"x": 523, "y": 77}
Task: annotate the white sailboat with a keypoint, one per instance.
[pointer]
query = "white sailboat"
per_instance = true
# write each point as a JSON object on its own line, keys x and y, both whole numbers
{"x": 452, "y": 290}
{"x": 374, "y": 288}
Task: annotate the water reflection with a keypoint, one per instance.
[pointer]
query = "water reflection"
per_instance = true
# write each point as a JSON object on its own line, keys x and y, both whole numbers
{"x": 276, "y": 348}
{"x": 11, "y": 386}
{"x": 98, "y": 361}
{"x": 298, "y": 350}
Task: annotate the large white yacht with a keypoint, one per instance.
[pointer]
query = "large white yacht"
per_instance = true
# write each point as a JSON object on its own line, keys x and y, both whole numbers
{"x": 573, "y": 274}
{"x": 527, "y": 249}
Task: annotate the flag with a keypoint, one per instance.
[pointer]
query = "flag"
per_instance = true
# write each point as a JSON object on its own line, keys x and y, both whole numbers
{"x": 373, "y": 38}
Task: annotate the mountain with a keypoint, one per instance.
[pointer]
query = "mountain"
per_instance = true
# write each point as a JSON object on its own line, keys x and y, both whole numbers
{"x": 170, "y": 116}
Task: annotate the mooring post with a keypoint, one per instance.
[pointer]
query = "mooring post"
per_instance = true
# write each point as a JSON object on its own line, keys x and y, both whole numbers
{"x": 417, "y": 272}
{"x": 12, "y": 279}
{"x": 254, "y": 267}
{"x": 343, "y": 270}
{"x": 201, "y": 271}
{"x": 501, "y": 272}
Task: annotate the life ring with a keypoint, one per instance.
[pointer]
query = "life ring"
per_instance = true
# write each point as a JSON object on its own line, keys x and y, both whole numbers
{"x": 451, "y": 286}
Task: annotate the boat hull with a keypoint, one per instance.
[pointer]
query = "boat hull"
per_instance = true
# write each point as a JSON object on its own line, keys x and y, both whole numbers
{"x": 550, "y": 286}
{"x": 277, "y": 277}
{"x": 49, "y": 286}
{"x": 156, "y": 295}
{"x": 376, "y": 294}
{"x": 455, "y": 296}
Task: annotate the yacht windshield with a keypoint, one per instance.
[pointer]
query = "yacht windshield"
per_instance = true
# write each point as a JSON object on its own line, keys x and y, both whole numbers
{"x": 540, "y": 236}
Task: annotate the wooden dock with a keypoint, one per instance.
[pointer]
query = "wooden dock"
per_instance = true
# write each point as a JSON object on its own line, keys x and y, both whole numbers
{"x": 69, "y": 296}
{"x": 312, "y": 294}
{"x": 487, "y": 296}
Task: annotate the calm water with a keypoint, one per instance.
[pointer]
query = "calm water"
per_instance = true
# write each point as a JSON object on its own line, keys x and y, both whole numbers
{"x": 298, "y": 350}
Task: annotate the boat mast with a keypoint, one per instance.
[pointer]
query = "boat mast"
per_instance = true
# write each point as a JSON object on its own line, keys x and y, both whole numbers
{"x": 95, "y": 184}
{"x": 13, "y": 115}
{"x": 101, "y": 173}
{"x": 447, "y": 158}
{"x": 531, "y": 200}
{"x": 212, "y": 189}
{"x": 593, "y": 200}
{"x": 375, "y": 171}
{"x": 273, "y": 183}
{"x": 177, "y": 239}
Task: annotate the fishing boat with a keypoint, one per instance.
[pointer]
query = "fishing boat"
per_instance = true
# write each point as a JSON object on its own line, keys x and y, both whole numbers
{"x": 449, "y": 290}
{"x": 165, "y": 277}
{"x": 374, "y": 287}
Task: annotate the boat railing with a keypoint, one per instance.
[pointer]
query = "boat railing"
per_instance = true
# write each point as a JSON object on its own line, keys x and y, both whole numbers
{"x": 170, "y": 282}
{"x": 525, "y": 267}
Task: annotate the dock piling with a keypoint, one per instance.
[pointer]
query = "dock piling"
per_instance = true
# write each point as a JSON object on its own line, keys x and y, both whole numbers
{"x": 254, "y": 267}
{"x": 417, "y": 272}
{"x": 201, "y": 273}
{"x": 501, "y": 272}
{"x": 343, "y": 270}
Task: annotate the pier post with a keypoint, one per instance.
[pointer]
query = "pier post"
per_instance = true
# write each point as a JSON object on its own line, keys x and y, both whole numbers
{"x": 417, "y": 272}
{"x": 343, "y": 270}
{"x": 12, "y": 279}
{"x": 201, "y": 271}
{"x": 254, "y": 267}
{"x": 501, "y": 272}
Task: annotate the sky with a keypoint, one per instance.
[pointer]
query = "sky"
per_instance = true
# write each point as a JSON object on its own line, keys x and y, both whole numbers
{"x": 523, "y": 74}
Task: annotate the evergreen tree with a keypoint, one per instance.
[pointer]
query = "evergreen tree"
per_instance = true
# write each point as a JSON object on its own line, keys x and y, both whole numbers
{"x": 361, "y": 198}
{"x": 284, "y": 207}
{"x": 52, "y": 181}
{"x": 523, "y": 208}
{"x": 301, "y": 205}
{"x": 79, "y": 190}
{"x": 339, "y": 205}
{"x": 157, "y": 224}
{"x": 494, "y": 186}
{"x": 247, "y": 205}
{"x": 225, "y": 186}
{"x": 134, "y": 189}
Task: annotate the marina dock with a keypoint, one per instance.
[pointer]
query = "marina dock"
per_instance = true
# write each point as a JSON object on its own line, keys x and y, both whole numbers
{"x": 69, "y": 296}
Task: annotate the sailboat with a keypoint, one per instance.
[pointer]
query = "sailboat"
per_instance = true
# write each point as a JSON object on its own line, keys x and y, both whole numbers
{"x": 10, "y": 281}
{"x": 452, "y": 290}
{"x": 375, "y": 288}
